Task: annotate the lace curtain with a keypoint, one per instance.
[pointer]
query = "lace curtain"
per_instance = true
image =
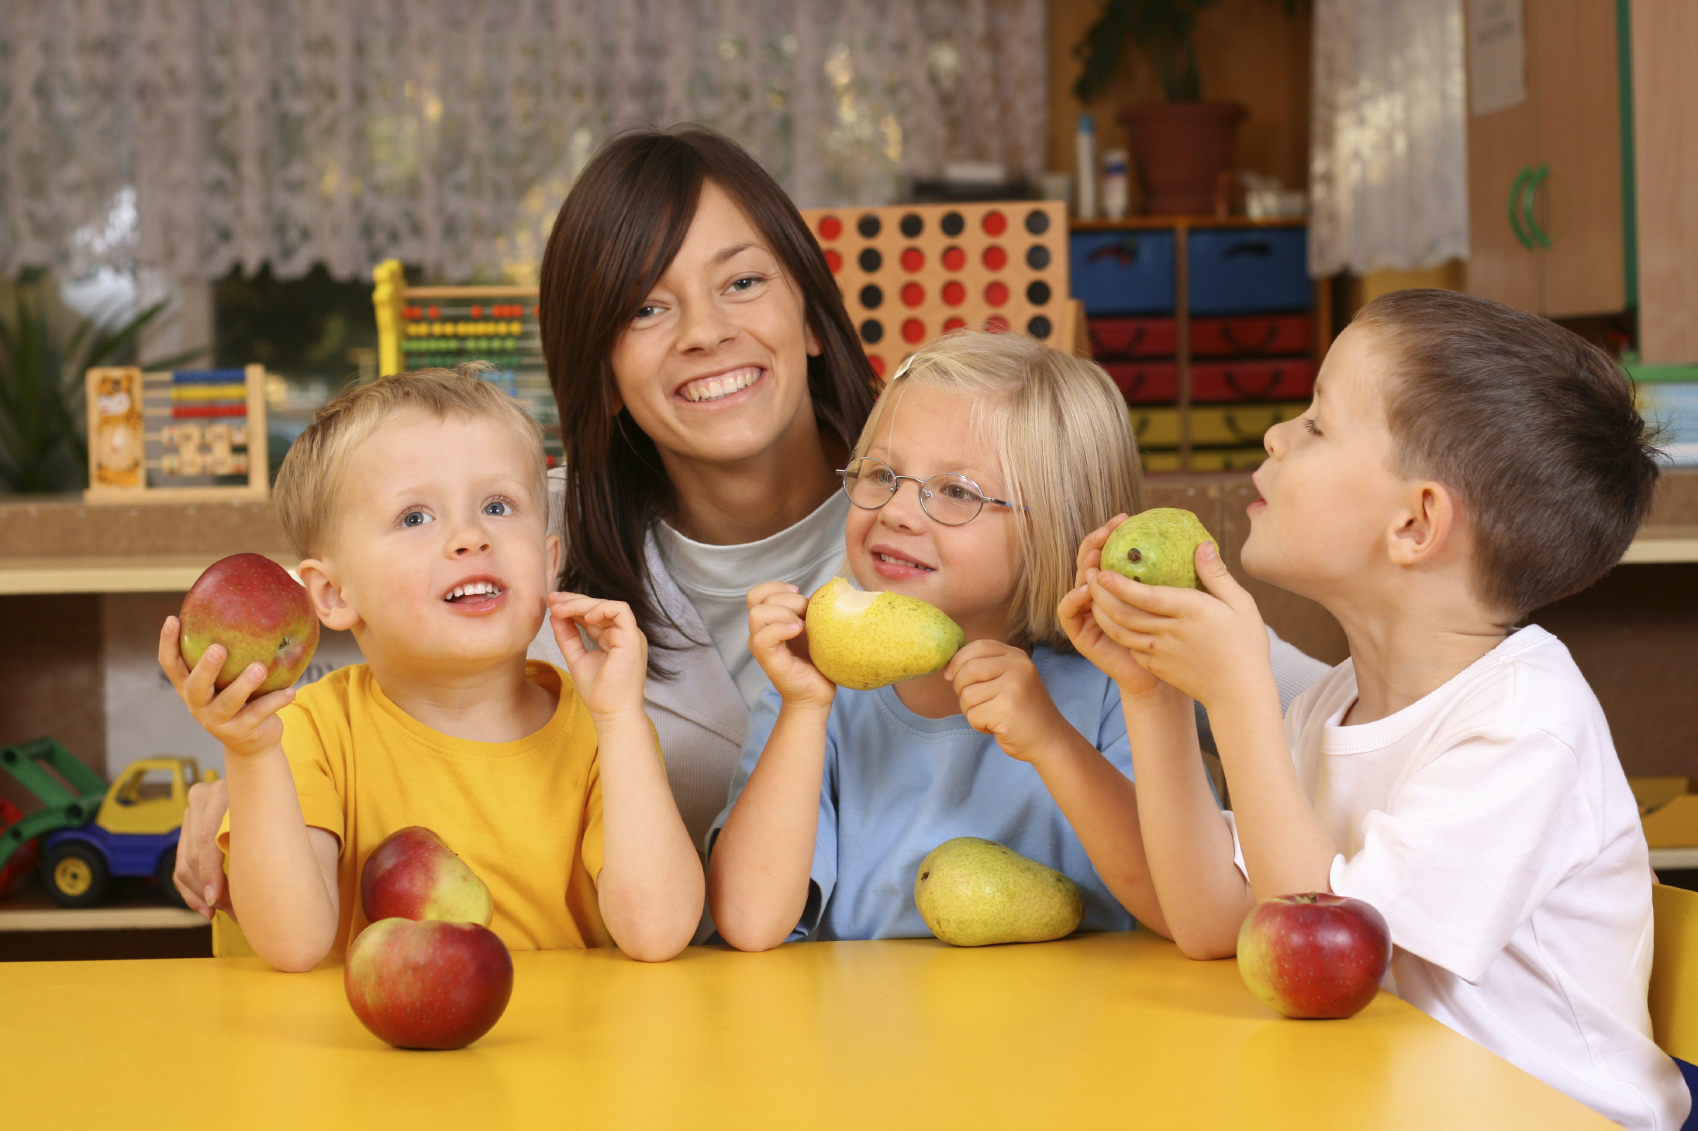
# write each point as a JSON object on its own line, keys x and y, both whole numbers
{"x": 1388, "y": 165}
{"x": 446, "y": 132}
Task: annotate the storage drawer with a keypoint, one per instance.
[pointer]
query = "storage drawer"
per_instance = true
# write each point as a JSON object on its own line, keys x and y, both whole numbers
{"x": 1252, "y": 337}
{"x": 1145, "y": 382}
{"x": 1220, "y": 426}
{"x": 1207, "y": 459}
{"x": 1264, "y": 379}
{"x": 1249, "y": 270}
{"x": 1133, "y": 337}
{"x": 1123, "y": 272}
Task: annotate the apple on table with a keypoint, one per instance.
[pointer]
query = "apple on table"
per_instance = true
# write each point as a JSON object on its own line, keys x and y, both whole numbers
{"x": 1315, "y": 955}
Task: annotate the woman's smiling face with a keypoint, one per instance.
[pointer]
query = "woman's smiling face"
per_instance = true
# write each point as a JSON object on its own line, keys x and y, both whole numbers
{"x": 714, "y": 365}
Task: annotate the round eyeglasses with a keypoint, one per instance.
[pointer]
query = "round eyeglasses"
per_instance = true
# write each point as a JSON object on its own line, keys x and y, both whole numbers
{"x": 949, "y": 498}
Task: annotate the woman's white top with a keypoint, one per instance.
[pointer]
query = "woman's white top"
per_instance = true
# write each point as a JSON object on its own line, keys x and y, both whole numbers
{"x": 701, "y": 713}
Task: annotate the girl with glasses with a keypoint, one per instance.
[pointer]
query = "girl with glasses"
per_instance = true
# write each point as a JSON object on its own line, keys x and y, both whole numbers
{"x": 985, "y": 463}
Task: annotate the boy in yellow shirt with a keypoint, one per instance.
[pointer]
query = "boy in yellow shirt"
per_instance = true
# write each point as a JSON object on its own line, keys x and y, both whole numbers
{"x": 419, "y": 506}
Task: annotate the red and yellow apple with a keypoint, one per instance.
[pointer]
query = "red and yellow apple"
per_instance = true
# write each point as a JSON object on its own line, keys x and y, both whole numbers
{"x": 412, "y": 874}
{"x": 250, "y": 605}
{"x": 428, "y": 984}
{"x": 1314, "y": 955}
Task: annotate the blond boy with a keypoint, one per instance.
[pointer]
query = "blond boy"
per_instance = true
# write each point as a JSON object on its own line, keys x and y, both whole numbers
{"x": 418, "y": 506}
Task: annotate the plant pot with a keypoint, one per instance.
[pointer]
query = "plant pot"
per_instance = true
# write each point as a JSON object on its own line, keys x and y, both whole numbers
{"x": 1180, "y": 150}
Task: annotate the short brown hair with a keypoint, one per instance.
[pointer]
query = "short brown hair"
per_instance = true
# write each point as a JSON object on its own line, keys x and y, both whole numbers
{"x": 1532, "y": 426}
{"x": 1062, "y": 434}
{"x": 619, "y": 230}
{"x": 306, "y": 489}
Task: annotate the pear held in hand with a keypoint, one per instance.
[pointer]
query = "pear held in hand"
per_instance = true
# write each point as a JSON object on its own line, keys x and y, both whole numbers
{"x": 976, "y": 892}
{"x": 865, "y": 640}
{"x": 1157, "y": 547}
{"x": 412, "y": 874}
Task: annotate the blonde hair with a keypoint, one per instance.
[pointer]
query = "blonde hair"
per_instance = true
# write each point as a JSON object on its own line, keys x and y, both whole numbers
{"x": 307, "y": 484}
{"x": 1064, "y": 438}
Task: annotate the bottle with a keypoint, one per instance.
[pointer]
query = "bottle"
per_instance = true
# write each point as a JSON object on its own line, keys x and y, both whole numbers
{"x": 1114, "y": 184}
{"x": 1085, "y": 155}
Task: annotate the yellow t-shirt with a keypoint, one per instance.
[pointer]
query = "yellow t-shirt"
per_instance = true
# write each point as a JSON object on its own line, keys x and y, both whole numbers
{"x": 525, "y": 815}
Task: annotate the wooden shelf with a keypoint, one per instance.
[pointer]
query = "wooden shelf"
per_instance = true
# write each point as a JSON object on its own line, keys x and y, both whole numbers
{"x": 139, "y": 574}
{"x": 1673, "y": 859}
{"x": 32, "y": 910}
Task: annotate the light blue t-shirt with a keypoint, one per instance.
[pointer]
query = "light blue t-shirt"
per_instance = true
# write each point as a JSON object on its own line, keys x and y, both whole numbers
{"x": 897, "y": 785}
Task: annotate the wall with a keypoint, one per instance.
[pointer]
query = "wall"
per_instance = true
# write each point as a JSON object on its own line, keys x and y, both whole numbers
{"x": 1249, "y": 51}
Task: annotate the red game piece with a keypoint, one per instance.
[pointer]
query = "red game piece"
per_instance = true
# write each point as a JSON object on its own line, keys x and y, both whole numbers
{"x": 954, "y": 258}
{"x": 830, "y": 228}
{"x": 996, "y": 294}
{"x": 995, "y": 223}
{"x": 833, "y": 260}
{"x": 913, "y": 259}
{"x": 995, "y": 258}
{"x": 954, "y": 293}
{"x": 913, "y": 294}
{"x": 913, "y": 330}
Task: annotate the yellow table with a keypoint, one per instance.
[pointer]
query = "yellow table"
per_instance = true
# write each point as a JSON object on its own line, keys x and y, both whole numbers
{"x": 1093, "y": 1032}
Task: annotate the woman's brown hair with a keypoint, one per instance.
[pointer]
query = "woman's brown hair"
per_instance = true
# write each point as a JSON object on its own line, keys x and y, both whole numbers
{"x": 618, "y": 231}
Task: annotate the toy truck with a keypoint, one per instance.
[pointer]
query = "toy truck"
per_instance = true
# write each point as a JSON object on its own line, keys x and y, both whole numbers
{"x": 91, "y": 833}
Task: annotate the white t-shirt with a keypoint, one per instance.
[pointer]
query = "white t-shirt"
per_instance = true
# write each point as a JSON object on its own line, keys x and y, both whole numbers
{"x": 1491, "y": 824}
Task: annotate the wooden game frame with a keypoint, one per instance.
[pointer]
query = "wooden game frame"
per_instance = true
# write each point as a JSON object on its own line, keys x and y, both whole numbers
{"x": 123, "y": 426}
{"x": 929, "y": 268}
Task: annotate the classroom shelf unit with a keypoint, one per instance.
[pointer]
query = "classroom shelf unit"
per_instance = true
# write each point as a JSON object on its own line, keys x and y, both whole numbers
{"x": 1211, "y": 328}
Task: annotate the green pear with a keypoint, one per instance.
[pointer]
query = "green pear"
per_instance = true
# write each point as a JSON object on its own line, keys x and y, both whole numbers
{"x": 864, "y": 640}
{"x": 976, "y": 892}
{"x": 1157, "y": 547}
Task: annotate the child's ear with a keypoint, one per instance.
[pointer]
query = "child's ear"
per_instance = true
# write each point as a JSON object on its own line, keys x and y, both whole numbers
{"x": 553, "y": 563}
{"x": 1427, "y": 525}
{"x": 813, "y": 341}
{"x": 328, "y": 600}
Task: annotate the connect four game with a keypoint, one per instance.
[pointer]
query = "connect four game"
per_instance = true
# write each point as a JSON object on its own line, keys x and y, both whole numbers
{"x": 182, "y": 436}
{"x": 910, "y": 272}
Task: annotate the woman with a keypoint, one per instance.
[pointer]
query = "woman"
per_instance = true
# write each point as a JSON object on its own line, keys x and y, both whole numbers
{"x": 709, "y": 382}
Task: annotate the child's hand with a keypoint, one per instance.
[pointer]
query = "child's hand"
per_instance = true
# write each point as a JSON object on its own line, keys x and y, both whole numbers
{"x": 1087, "y": 636}
{"x": 609, "y": 678}
{"x": 776, "y": 640}
{"x": 1003, "y": 696}
{"x": 242, "y": 727}
{"x": 1210, "y": 645}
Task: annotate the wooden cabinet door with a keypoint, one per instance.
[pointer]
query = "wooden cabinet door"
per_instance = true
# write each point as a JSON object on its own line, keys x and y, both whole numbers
{"x": 1500, "y": 146}
{"x": 1665, "y": 111}
{"x": 1572, "y": 46}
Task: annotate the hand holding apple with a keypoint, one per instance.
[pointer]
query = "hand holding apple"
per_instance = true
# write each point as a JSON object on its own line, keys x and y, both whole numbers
{"x": 428, "y": 984}
{"x": 1314, "y": 955}
{"x": 412, "y": 874}
{"x": 252, "y": 607}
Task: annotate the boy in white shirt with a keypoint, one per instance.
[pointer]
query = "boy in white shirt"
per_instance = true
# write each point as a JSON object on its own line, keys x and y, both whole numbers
{"x": 1462, "y": 465}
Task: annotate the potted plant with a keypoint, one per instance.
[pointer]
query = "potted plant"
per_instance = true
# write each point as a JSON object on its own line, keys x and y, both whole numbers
{"x": 1180, "y": 147}
{"x": 43, "y": 446}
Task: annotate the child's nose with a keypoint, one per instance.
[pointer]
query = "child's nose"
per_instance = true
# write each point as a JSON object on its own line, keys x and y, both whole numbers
{"x": 904, "y": 510}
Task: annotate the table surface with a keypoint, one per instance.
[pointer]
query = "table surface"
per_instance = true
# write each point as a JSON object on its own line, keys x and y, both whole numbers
{"x": 1095, "y": 1031}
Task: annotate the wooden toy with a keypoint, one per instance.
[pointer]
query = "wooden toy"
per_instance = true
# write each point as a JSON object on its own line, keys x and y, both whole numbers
{"x": 444, "y": 326}
{"x": 909, "y": 272}
{"x": 191, "y": 435}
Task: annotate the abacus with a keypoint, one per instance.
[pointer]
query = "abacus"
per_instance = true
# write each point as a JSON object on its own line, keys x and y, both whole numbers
{"x": 910, "y": 272}
{"x": 186, "y": 436}
{"x": 444, "y": 326}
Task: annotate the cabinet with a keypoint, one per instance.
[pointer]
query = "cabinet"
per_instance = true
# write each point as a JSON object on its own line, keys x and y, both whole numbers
{"x": 1581, "y": 197}
{"x": 1206, "y": 325}
{"x": 1546, "y": 223}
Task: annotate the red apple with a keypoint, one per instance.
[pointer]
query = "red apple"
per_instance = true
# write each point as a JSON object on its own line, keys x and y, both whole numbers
{"x": 429, "y": 984}
{"x": 411, "y": 874}
{"x": 1314, "y": 955}
{"x": 250, "y": 605}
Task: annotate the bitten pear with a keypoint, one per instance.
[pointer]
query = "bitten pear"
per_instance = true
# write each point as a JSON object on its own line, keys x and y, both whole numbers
{"x": 976, "y": 892}
{"x": 865, "y": 640}
{"x": 1157, "y": 547}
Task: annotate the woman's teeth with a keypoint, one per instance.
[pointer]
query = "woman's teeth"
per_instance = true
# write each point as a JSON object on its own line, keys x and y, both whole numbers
{"x": 900, "y": 561}
{"x": 475, "y": 589}
{"x": 712, "y": 388}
